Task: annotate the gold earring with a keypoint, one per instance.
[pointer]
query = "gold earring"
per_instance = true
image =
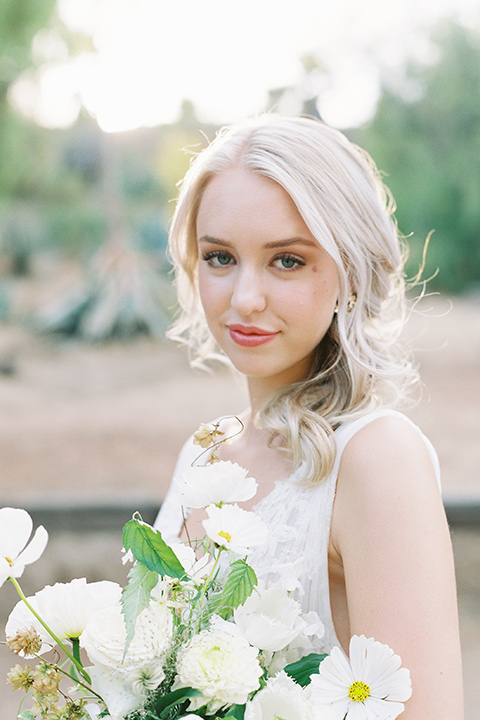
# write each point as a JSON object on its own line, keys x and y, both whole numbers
{"x": 352, "y": 299}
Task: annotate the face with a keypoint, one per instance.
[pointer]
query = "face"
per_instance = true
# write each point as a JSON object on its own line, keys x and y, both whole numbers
{"x": 267, "y": 287}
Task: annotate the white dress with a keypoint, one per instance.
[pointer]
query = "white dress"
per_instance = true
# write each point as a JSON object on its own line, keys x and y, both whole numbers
{"x": 298, "y": 517}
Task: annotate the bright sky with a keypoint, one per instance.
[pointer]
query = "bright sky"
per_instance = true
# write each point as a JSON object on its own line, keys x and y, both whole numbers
{"x": 224, "y": 55}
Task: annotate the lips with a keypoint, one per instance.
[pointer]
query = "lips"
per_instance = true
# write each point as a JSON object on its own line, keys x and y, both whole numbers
{"x": 249, "y": 335}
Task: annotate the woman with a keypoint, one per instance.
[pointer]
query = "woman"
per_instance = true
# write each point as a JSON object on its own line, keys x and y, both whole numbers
{"x": 288, "y": 260}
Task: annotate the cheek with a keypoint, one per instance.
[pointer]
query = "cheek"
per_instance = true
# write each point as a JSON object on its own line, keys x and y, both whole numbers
{"x": 212, "y": 293}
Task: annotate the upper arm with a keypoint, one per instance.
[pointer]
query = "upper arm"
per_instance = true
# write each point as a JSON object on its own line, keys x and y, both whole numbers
{"x": 390, "y": 530}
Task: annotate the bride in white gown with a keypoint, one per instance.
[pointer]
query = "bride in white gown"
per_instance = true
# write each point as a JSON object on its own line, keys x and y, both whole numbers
{"x": 288, "y": 263}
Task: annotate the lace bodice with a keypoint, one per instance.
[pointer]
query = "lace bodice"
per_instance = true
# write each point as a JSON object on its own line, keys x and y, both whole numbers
{"x": 298, "y": 517}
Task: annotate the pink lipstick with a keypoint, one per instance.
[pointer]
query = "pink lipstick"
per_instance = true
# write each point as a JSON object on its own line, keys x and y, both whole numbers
{"x": 249, "y": 335}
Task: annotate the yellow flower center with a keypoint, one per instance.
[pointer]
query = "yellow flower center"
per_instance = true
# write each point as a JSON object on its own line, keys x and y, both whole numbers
{"x": 9, "y": 561}
{"x": 359, "y": 691}
{"x": 225, "y": 534}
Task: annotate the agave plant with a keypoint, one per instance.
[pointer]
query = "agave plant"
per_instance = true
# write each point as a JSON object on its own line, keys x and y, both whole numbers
{"x": 121, "y": 295}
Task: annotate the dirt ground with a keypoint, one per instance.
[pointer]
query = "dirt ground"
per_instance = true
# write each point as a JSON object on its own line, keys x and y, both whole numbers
{"x": 103, "y": 422}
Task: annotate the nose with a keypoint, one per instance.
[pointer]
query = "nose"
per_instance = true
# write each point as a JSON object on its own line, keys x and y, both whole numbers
{"x": 248, "y": 294}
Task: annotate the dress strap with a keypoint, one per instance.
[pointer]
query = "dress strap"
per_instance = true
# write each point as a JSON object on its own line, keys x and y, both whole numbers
{"x": 345, "y": 432}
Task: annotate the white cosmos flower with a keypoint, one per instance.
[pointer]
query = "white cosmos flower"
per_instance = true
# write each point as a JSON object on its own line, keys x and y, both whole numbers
{"x": 270, "y": 619}
{"x": 234, "y": 529}
{"x": 15, "y": 529}
{"x": 104, "y": 637}
{"x": 223, "y": 666}
{"x": 369, "y": 685}
{"x": 280, "y": 698}
{"x": 220, "y": 482}
{"x": 65, "y": 607}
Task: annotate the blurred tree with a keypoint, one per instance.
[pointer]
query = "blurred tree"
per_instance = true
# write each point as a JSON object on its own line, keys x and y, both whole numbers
{"x": 426, "y": 138}
{"x": 76, "y": 191}
{"x": 19, "y": 21}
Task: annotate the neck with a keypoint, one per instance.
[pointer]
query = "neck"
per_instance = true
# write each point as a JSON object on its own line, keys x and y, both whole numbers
{"x": 259, "y": 393}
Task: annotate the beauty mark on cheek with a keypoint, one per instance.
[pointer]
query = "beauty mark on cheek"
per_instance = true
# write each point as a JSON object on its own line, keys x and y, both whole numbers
{"x": 314, "y": 268}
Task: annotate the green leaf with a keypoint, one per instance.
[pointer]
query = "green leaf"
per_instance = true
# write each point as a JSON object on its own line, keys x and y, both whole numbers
{"x": 239, "y": 585}
{"x": 235, "y": 712}
{"x": 136, "y": 597}
{"x": 165, "y": 702}
{"x": 302, "y": 670}
{"x": 148, "y": 546}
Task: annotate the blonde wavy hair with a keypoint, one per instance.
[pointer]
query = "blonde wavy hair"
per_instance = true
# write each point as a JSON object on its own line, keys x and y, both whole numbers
{"x": 360, "y": 364}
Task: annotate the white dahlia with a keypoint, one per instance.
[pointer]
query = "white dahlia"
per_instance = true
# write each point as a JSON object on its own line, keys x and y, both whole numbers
{"x": 104, "y": 637}
{"x": 223, "y": 666}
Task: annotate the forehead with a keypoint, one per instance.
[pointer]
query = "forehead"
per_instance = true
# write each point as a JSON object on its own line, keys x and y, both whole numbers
{"x": 239, "y": 197}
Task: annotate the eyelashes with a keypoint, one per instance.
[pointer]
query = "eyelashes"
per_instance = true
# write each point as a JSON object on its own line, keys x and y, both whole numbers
{"x": 288, "y": 262}
{"x": 217, "y": 258}
{"x": 221, "y": 258}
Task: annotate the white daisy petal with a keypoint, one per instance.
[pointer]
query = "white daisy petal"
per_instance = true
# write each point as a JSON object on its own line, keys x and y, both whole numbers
{"x": 384, "y": 710}
{"x": 15, "y": 530}
{"x": 332, "y": 711}
{"x": 359, "y": 711}
{"x": 336, "y": 668}
{"x": 34, "y": 548}
{"x": 357, "y": 653}
{"x": 396, "y": 687}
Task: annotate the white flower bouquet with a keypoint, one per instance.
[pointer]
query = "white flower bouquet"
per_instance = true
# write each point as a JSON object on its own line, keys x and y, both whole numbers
{"x": 193, "y": 634}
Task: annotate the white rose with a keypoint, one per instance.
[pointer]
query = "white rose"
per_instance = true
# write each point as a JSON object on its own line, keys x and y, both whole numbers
{"x": 104, "y": 637}
{"x": 235, "y": 529}
{"x": 280, "y": 698}
{"x": 220, "y": 482}
{"x": 269, "y": 618}
{"x": 224, "y": 667}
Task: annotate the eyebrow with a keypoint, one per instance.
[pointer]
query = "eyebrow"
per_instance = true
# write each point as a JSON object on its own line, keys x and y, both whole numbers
{"x": 270, "y": 245}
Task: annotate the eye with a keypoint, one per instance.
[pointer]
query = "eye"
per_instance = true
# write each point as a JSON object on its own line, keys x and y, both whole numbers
{"x": 218, "y": 258}
{"x": 287, "y": 262}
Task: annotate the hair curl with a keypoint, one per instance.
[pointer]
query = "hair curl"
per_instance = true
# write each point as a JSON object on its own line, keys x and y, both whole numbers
{"x": 360, "y": 364}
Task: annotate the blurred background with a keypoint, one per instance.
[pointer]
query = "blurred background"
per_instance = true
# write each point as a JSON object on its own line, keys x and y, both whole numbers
{"x": 102, "y": 104}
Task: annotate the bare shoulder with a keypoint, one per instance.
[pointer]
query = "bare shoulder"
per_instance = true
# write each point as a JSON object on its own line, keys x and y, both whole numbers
{"x": 388, "y": 448}
{"x": 386, "y": 440}
{"x": 386, "y": 472}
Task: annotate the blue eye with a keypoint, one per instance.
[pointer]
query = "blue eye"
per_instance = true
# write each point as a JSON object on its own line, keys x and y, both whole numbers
{"x": 287, "y": 262}
{"x": 217, "y": 258}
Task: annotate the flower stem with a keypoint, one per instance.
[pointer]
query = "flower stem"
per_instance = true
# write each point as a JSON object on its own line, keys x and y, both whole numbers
{"x": 79, "y": 682}
{"x": 204, "y": 588}
{"x": 57, "y": 640}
